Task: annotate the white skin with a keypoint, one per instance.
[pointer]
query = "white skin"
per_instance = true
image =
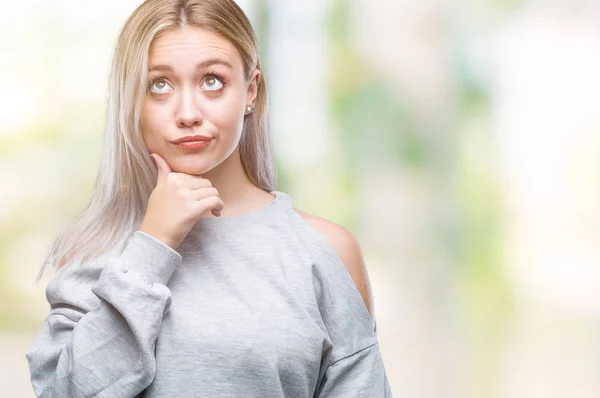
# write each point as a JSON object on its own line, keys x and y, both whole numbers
{"x": 212, "y": 100}
{"x": 188, "y": 101}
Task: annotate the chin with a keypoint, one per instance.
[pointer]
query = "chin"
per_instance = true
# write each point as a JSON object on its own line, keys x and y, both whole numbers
{"x": 191, "y": 166}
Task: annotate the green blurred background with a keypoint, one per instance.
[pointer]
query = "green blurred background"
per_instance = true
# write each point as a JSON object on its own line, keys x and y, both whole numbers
{"x": 457, "y": 140}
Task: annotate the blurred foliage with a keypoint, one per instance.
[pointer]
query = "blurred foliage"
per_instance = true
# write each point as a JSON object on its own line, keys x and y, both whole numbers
{"x": 370, "y": 117}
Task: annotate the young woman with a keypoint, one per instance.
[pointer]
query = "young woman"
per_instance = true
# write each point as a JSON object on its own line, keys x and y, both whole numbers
{"x": 189, "y": 275}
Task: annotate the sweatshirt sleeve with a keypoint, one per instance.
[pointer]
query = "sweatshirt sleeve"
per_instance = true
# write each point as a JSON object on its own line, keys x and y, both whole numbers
{"x": 361, "y": 374}
{"x": 353, "y": 366}
{"x": 105, "y": 316}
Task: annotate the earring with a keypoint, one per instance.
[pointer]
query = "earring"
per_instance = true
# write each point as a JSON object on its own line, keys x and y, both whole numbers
{"x": 250, "y": 109}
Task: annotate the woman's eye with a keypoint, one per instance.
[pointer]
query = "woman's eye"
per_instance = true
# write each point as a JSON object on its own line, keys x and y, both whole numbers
{"x": 212, "y": 83}
{"x": 159, "y": 86}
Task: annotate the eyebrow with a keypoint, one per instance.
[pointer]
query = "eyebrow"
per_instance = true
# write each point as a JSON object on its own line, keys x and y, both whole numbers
{"x": 203, "y": 64}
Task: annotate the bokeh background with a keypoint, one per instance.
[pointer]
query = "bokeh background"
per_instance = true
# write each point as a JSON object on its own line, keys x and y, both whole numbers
{"x": 458, "y": 140}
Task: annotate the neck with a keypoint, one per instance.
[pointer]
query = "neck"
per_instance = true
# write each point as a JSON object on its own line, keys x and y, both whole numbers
{"x": 234, "y": 186}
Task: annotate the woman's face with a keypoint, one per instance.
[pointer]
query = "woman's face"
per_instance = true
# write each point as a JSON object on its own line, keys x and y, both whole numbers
{"x": 196, "y": 86}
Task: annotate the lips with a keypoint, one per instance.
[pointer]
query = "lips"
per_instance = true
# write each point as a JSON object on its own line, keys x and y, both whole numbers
{"x": 193, "y": 144}
{"x": 192, "y": 138}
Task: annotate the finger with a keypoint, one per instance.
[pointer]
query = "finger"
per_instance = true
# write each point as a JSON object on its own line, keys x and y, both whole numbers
{"x": 217, "y": 210}
{"x": 161, "y": 165}
{"x": 215, "y": 204}
{"x": 199, "y": 194}
{"x": 195, "y": 182}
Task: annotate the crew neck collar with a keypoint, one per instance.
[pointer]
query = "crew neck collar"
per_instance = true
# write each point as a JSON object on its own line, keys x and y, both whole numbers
{"x": 281, "y": 199}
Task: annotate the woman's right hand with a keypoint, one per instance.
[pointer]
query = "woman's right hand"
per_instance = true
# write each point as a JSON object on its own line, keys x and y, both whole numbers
{"x": 177, "y": 203}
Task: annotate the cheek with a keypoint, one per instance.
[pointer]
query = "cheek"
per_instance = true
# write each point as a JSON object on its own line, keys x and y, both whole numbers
{"x": 227, "y": 114}
{"x": 150, "y": 123}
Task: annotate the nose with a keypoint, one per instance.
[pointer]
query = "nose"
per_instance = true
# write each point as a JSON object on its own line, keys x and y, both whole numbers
{"x": 188, "y": 112}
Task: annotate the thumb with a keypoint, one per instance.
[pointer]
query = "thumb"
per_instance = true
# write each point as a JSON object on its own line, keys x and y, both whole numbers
{"x": 161, "y": 165}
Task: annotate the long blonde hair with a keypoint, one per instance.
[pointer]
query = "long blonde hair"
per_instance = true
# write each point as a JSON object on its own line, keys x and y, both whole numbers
{"x": 127, "y": 174}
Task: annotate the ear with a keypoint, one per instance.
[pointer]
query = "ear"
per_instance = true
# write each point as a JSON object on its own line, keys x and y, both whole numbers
{"x": 253, "y": 86}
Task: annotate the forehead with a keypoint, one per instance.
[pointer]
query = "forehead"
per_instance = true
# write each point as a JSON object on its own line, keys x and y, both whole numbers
{"x": 191, "y": 45}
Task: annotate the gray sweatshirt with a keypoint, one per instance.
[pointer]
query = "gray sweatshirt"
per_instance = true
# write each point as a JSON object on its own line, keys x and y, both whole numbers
{"x": 252, "y": 306}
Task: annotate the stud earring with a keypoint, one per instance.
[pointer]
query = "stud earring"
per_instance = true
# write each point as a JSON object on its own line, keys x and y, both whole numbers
{"x": 250, "y": 109}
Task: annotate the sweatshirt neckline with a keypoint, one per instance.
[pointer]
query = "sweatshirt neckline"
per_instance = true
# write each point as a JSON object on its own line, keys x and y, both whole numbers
{"x": 257, "y": 215}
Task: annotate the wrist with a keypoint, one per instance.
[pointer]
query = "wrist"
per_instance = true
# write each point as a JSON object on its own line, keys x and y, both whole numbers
{"x": 163, "y": 239}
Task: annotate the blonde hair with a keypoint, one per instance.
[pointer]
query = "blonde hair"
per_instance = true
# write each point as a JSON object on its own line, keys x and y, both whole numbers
{"x": 127, "y": 174}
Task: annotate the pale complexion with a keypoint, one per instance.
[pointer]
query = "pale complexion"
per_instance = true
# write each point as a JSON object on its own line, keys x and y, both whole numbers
{"x": 197, "y": 86}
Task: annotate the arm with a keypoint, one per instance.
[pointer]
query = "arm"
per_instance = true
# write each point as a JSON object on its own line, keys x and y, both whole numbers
{"x": 361, "y": 374}
{"x": 346, "y": 246}
{"x": 98, "y": 339}
{"x": 357, "y": 369}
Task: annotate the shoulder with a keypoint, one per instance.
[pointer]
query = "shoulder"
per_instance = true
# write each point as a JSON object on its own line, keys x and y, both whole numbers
{"x": 348, "y": 250}
{"x": 69, "y": 289}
